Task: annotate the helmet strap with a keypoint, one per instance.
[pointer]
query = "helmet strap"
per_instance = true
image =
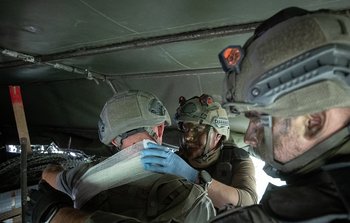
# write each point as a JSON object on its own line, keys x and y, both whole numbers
{"x": 208, "y": 155}
{"x": 152, "y": 133}
{"x": 276, "y": 169}
{"x": 118, "y": 142}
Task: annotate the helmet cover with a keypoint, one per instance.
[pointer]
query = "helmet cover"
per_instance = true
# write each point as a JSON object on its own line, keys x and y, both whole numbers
{"x": 130, "y": 110}
{"x": 203, "y": 110}
{"x": 297, "y": 66}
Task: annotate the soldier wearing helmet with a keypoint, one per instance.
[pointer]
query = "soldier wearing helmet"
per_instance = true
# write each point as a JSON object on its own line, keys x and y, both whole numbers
{"x": 205, "y": 127}
{"x": 129, "y": 113}
{"x": 292, "y": 80}
{"x": 227, "y": 172}
{"x": 118, "y": 189}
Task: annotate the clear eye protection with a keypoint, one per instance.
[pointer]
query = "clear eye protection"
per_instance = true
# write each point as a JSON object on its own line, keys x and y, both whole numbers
{"x": 195, "y": 128}
{"x": 262, "y": 124}
{"x": 265, "y": 151}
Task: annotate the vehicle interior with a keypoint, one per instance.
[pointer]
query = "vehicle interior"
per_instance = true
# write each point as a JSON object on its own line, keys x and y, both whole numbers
{"x": 69, "y": 57}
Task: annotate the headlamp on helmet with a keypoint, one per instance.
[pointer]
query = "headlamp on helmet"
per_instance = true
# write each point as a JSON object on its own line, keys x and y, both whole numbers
{"x": 294, "y": 59}
{"x": 296, "y": 63}
{"x": 231, "y": 58}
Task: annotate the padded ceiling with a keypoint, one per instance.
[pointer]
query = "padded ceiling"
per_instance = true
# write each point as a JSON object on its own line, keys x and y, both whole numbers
{"x": 79, "y": 49}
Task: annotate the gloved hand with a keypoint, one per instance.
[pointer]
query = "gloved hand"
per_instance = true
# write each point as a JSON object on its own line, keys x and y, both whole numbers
{"x": 161, "y": 159}
{"x": 45, "y": 202}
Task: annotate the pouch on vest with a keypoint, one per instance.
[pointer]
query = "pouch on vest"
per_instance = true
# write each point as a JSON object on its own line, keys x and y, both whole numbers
{"x": 224, "y": 167}
{"x": 172, "y": 197}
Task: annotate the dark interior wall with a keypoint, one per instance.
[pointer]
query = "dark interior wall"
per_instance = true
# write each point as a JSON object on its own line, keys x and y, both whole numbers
{"x": 56, "y": 111}
{"x": 64, "y": 112}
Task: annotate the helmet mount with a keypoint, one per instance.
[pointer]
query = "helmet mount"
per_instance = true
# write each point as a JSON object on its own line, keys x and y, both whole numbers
{"x": 296, "y": 63}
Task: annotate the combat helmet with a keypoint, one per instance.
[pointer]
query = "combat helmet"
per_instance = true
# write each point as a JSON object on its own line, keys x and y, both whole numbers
{"x": 130, "y": 112}
{"x": 296, "y": 63}
{"x": 203, "y": 110}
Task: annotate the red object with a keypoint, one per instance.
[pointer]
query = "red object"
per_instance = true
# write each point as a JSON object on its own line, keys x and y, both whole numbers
{"x": 232, "y": 56}
{"x": 15, "y": 93}
{"x": 209, "y": 100}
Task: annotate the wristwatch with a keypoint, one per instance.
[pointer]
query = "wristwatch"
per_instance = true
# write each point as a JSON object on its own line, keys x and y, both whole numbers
{"x": 204, "y": 179}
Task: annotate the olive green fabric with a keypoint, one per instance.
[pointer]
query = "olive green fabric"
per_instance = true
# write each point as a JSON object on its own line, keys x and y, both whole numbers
{"x": 161, "y": 198}
{"x": 287, "y": 41}
{"x": 130, "y": 110}
{"x": 319, "y": 196}
{"x": 251, "y": 214}
{"x": 296, "y": 67}
{"x": 245, "y": 183}
{"x": 120, "y": 169}
{"x": 204, "y": 111}
{"x": 101, "y": 216}
{"x": 235, "y": 168}
{"x": 343, "y": 149}
{"x": 121, "y": 186}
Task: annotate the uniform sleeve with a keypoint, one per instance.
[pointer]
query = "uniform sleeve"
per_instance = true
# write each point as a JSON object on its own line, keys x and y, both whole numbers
{"x": 67, "y": 179}
{"x": 250, "y": 214}
{"x": 102, "y": 217}
{"x": 244, "y": 181}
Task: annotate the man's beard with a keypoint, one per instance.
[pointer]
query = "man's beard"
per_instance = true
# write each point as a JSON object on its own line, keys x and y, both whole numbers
{"x": 192, "y": 150}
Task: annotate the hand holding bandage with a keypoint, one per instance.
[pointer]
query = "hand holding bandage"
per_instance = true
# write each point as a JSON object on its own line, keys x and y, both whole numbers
{"x": 161, "y": 159}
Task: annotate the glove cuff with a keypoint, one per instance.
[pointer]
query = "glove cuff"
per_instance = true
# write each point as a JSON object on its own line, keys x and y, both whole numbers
{"x": 193, "y": 176}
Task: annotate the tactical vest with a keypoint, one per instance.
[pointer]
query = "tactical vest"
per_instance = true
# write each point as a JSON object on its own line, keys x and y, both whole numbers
{"x": 320, "y": 197}
{"x": 222, "y": 169}
{"x": 160, "y": 198}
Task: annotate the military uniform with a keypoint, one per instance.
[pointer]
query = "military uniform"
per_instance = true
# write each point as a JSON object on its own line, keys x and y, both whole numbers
{"x": 235, "y": 168}
{"x": 321, "y": 195}
{"x": 142, "y": 196}
{"x": 201, "y": 121}
{"x": 286, "y": 80}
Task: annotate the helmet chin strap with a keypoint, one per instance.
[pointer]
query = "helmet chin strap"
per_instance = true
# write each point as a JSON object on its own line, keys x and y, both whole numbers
{"x": 153, "y": 134}
{"x": 276, "y": 169}
{"x": 118, "y": 141}
{"x": 206, "y": 152}
{"x": 208, "y": 155}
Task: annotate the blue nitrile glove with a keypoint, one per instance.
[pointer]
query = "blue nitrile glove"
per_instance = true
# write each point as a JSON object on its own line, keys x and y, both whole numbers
{"x": 161, "y": 159}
